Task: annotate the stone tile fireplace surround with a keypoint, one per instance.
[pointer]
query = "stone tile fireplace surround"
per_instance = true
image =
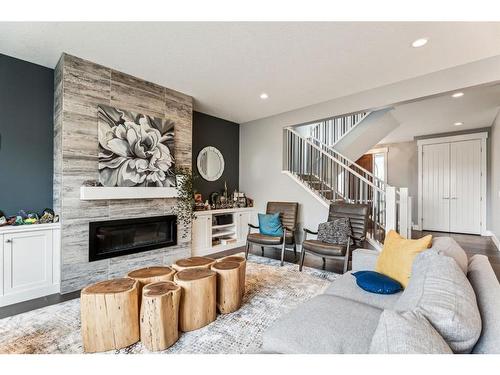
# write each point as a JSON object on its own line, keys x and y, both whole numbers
{"x": 80, "y": 86}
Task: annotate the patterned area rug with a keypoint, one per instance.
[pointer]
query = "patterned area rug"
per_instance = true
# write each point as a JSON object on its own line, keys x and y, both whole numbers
{"x": 271, "y": 291}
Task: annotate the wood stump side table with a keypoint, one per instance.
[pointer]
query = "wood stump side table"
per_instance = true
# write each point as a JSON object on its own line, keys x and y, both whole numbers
{"x": 228, "y": 286}
{"x": 198, "y": 298}
{"x": 150, "y": 275}
{"x": 109, "y": 313}
{"x": 159, "y": 321}
{"x": 193, "y": 262}
{"x": 243, "y": 269}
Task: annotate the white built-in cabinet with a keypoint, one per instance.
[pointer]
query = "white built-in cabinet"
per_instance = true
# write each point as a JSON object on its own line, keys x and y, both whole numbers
{"x": 231, "y": 231}
{"x": 29, "y": 262}
{"x": 452, "y": 183}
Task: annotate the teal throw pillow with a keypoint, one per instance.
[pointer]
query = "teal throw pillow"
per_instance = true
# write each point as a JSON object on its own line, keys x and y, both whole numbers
{"x": 270, "y": 225}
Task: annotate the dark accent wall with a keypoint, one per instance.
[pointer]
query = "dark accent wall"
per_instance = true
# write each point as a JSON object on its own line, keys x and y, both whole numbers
{"x": 26, "y": 135}
{"x": 224, "y": 135}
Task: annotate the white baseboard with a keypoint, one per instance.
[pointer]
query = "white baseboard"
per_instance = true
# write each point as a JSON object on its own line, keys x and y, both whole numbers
{"x": 494, "y": 238}
{"x": 416, "y": 227}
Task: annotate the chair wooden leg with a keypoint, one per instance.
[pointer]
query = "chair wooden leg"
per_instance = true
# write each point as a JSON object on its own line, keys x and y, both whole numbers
{"x": 302, "y": 257}
{"x": 283, "y": 254}
{"x": 247, "y": 249}
{"x": 262, "y": 250}
{"x": 346, "y": 263}
{"x": 324, "y": 263}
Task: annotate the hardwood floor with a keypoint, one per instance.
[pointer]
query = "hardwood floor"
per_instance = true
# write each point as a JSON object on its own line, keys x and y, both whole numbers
{"x": 470, "y": 243}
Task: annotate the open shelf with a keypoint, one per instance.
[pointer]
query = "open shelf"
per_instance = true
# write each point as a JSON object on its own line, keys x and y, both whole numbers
{"x": 222, "y": 226}
{"x": 224, "y": 233}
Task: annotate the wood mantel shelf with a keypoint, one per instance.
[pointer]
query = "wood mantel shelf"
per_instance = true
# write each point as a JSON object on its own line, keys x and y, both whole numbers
{"x": 89, "y": 193}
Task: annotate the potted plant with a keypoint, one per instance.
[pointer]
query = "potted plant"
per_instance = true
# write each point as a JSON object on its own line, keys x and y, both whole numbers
{"x": 184, "y": 208}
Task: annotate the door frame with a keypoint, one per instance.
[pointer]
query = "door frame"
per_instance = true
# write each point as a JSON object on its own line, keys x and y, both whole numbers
{"x": 451, "y": 139}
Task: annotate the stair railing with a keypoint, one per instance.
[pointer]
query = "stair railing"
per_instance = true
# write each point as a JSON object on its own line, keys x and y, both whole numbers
{"x": 331, "y": 179}
{"x": 352, "y": 164}
{"x": 330, "y": 131}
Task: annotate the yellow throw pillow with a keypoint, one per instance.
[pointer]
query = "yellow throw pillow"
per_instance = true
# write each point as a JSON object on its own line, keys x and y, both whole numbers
{"x": 398, "y": 254}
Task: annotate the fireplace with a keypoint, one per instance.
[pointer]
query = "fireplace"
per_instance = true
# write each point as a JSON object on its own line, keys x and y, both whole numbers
{"x": 112, "y": 238}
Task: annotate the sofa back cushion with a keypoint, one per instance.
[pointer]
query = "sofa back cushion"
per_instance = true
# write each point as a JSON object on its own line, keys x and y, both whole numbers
{"x": 440, "y": 291}
{"x": 449, "y": 247}
{"x": 406, "y": 333}
{"x": 485, "y": 284}
{"x": 397, "y": 256}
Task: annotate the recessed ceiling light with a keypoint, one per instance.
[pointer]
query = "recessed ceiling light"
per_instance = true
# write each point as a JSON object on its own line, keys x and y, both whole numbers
{"x": 264, "y": 96}
{"x": 457, "y": 95}
{"x": 420, "y": 42}
{"x": 458, "y": 123}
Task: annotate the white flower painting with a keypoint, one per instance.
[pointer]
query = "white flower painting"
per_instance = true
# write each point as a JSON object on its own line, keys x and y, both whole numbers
{"x": 135, "y": 149}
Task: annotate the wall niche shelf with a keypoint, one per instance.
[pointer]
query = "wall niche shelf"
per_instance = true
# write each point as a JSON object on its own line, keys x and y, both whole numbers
{"x": 89, "y": 193}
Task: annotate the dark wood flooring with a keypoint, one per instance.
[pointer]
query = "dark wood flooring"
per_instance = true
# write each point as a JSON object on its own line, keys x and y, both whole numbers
{"x": 470, "y": 243}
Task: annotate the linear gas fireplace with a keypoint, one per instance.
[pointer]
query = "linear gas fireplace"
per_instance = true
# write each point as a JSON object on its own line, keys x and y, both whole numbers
{"x": 112, "y": 238}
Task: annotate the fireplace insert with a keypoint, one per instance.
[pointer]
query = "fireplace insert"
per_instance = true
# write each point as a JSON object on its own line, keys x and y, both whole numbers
{"x": 112, "y": 238}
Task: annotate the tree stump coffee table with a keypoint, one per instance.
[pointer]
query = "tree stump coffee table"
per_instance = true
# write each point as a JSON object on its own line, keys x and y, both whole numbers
{"x": 193, "y": 262}
{"x": 243, "y": 269}
{"x": 198, "y": 298}
{"x": 228, "y": 286}
{"x": 109, "y": 313}
{"x": 150, "y": 275}
{"x": 159, "y": 321}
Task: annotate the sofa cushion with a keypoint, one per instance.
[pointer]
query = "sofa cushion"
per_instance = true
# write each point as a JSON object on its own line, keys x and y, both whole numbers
{"x": 485, "y": 284}
{"x": 336, "y": 232}
{"x": 270, "y": 225}
{"x": 345, "y": 286}
{"x": 398, "y": 254}
{"x": 449, "y": 247}
{"x": 406, "y": 333}
{"x": 324, "y": 324}
{"x": 377, "y": 283}
{"x": 440, "y": 291}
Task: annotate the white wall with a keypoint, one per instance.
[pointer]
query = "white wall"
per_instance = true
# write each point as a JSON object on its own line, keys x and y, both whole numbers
{"x": 261, "y": 140}
{"x": 494, "y": 206}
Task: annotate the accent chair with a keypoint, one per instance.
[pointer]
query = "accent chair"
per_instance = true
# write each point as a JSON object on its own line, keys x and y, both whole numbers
{"x": 358, "y": 216}
{"x": 288, "y": 214}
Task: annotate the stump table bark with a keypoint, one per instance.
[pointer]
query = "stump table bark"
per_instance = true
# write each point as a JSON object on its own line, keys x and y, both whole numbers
{"x": 198, "y": 298}
{"x": 193, "y": 262}
{"x": 109, "y": 313}
{"x": 243, "y": 269}
{"x": 160, "y": 315}
{"x": 150, "y": 275}
{"x": 228, "y": 286}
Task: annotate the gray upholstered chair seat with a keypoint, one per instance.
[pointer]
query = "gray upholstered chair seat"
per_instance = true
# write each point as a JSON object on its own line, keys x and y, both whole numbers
{"x": 324, "y": 248}
{"x": 262, "y": 239}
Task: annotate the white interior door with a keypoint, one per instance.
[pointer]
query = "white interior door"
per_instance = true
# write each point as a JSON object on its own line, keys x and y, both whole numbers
{"x": 465, "y": 187}
{"x": 436, "y": 187}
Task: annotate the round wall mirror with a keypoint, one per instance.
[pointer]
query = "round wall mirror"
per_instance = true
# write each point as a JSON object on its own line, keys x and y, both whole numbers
{"x": 210, "y": 163}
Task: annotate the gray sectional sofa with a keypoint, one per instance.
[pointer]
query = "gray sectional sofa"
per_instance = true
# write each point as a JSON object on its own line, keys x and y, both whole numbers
{"x": 451, "y": 305}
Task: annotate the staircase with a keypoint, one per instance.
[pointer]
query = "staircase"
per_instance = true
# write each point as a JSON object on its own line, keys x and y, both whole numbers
{"x": 313, "y": 162}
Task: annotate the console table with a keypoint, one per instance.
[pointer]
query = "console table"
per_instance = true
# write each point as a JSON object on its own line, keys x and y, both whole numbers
{"x": 219, "y": 230}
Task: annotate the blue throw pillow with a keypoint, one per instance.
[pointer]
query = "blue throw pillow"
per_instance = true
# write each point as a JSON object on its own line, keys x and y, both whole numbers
{"x": 270, "y": 225}
{"x": 375, "y": 282}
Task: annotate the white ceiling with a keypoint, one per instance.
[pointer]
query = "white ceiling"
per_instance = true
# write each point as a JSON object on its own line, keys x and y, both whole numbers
{"x": 476, "y": 109}
{"x": 225, "y": 66}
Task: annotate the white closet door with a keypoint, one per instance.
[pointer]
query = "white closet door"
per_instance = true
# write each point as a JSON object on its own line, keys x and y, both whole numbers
{"x": 465, "y": 187}
{"x": 436, "y": 187}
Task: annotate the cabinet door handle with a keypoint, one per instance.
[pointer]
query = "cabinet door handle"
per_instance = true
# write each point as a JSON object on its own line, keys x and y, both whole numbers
{"x": 8, "y": 241}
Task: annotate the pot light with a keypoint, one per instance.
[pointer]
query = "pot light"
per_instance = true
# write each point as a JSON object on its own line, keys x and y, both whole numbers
{"x": 457, "y": 95}
{"x": 458, "y": 123}
{"x": 264, "y": 96}
{"x": 419, "y": 42}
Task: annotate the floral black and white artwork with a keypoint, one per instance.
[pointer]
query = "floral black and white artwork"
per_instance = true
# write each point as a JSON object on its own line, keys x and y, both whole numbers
{"x": 135, "y": 149}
